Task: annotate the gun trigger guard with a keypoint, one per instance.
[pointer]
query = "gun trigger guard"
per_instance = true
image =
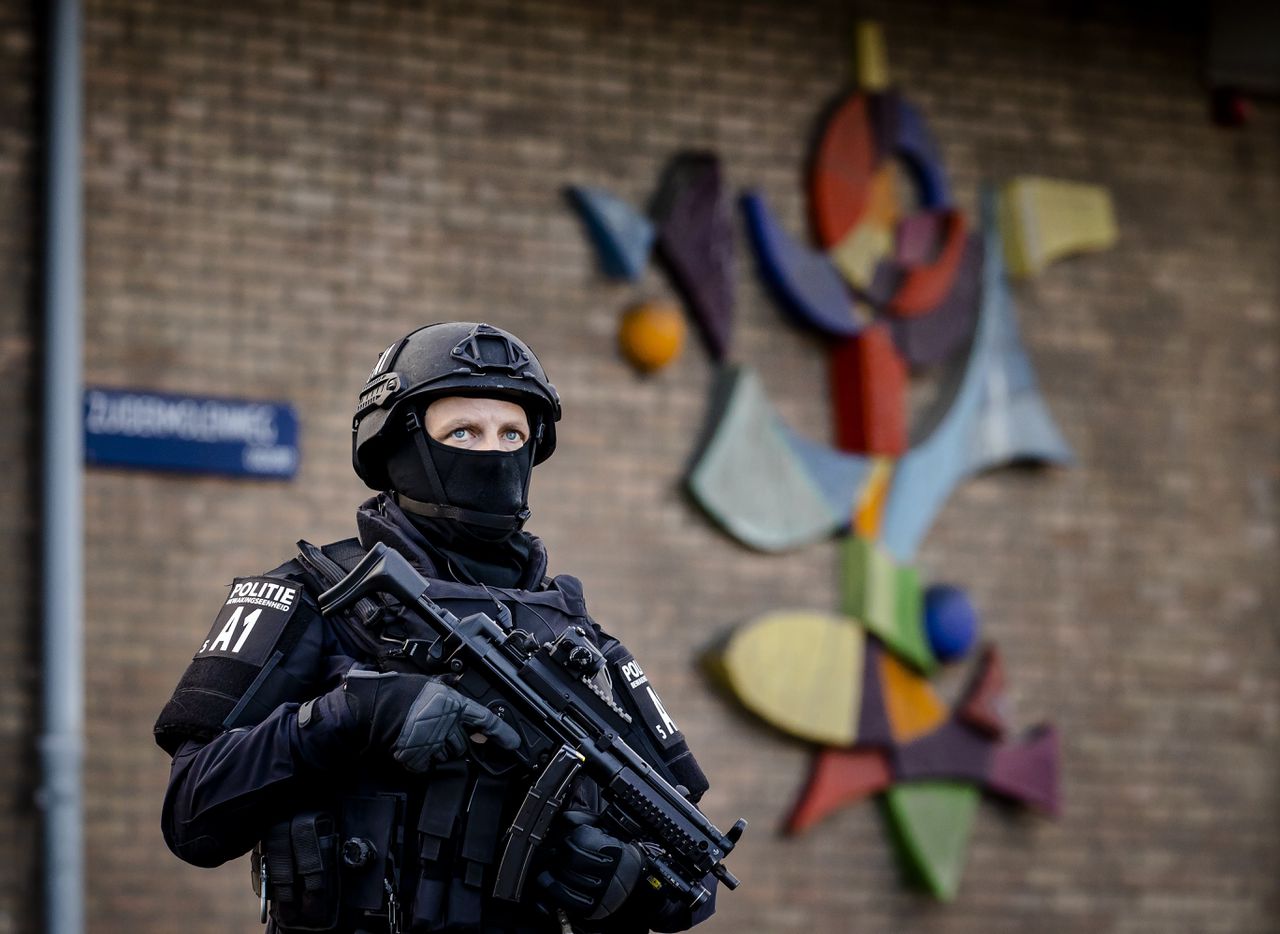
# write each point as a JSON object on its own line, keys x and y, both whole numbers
{"x": 489, "y": 757}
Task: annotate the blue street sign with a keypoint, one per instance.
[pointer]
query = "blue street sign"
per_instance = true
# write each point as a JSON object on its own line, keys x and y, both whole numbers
{"x": 159, "y": 431}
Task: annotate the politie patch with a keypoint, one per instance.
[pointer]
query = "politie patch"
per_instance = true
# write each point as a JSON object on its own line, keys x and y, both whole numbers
{"x": 252, "y": 619}
{"x": 646, "y": 700}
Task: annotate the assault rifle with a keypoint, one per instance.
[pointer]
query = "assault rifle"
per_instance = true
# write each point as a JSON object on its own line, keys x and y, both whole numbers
{"x": 568, "y": 724}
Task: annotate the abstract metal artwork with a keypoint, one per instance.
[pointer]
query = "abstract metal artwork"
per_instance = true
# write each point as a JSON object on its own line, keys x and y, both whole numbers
{"x": 935, "y": 288}
{"x": 892, "y": 291}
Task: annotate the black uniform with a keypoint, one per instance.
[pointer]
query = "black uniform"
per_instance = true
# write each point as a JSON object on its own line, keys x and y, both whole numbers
{"x": 420, "y": 846}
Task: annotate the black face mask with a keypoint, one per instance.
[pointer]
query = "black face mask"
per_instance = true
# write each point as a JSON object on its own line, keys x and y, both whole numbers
{"x": 485, "y": 490}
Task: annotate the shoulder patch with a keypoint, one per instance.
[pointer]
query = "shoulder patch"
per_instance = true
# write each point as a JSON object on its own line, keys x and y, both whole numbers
{"x": 252, "y": 620}
{"x": 645, "y": 699}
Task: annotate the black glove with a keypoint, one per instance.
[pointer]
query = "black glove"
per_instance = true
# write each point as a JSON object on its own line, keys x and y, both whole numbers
{"x": 438, "y": 724}
{"x": 589, "y": 873}
{"x": 418, "y": 719}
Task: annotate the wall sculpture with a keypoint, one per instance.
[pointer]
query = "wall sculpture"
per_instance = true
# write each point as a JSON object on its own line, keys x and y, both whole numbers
{"x": 894, "y": 292}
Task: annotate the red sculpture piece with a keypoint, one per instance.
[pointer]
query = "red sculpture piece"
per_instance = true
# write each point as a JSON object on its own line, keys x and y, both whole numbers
{"x": 869, "y": 388}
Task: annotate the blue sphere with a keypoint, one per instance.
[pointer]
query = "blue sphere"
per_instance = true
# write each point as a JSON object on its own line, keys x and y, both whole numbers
{"x": 950, "y": 621}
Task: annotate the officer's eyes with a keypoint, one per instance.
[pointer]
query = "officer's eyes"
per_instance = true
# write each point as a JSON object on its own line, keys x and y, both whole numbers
{"x": 512, "y": 435}
{"x": 459, "y": 434}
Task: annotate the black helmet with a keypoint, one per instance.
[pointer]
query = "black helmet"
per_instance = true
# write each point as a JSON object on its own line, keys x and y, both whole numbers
{"x": 456, "y": 358}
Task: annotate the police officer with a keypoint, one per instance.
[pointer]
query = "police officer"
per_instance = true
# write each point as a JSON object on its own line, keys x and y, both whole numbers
{"x": 362, "y": 787}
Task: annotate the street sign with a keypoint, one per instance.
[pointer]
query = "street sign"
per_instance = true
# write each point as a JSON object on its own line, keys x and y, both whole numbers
{"x": 190, "y": 434}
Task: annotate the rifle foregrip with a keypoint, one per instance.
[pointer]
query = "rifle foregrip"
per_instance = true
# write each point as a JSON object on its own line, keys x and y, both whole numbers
{"x": 678, "y": 833}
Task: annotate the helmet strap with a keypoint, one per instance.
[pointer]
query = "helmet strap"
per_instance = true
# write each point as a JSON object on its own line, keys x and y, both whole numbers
{"x": 417, "y": 431}
{"x": 485, "y": 520}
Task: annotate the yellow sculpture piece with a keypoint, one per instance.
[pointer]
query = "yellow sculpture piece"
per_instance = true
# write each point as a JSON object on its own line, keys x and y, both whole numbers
{"x": 1045, "y": 219}
{"x": 861, "y": 251}
{"x": 800, "y": 671}
{"x": 871, "y": 60}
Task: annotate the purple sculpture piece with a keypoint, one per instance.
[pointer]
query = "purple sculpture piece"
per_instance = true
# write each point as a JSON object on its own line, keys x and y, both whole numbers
{"x": 882, "y": 116}
{"x": 932, "y": 338}
{"x": 885, "y": 281}
{"x": 916, "y": 240}
{"x": 954, "y": 750}
{"x": 695, "y": 242}
{"x": 805, "y": 282}
{"x": 1027, "y": 770}
{"x": 873, "y": 716}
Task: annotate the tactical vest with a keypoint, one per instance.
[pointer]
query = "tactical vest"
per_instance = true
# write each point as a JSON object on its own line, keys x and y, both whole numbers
{"x": 418, "y": 852}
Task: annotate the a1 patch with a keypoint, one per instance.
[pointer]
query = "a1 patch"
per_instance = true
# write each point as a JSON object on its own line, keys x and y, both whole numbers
{"x": 645, "y": 699}
{"x": 252, "y": 620}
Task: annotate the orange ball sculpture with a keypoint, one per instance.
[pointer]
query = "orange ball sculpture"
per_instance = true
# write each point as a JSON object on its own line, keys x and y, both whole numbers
{"x": 652, "y": 335}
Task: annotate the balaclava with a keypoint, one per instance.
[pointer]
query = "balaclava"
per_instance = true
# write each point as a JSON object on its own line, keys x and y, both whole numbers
{"x": 470, "y": 504}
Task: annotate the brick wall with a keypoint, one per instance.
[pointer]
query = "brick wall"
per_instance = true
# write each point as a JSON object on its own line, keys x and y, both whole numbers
{"x": 18, "y": 439}
{"x": 274, "y": 192}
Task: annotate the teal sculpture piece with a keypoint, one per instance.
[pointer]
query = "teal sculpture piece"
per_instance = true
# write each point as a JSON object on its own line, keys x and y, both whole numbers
{"x": 767, "y": 487}
{"x": 840, "y": 476}
{"x": 1013, "y": 423}
{"x": 623, "y": 237}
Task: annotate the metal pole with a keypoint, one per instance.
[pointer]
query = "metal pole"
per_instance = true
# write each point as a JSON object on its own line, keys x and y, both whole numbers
{"x": 62, "y": 744}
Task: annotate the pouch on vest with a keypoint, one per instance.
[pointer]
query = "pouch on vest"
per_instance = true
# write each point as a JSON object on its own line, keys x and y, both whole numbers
{"x": 299, "y": 858}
